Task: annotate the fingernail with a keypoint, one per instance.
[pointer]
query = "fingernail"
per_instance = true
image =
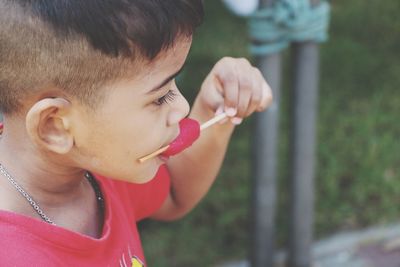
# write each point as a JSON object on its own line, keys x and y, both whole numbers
{"x": 230, "y": 111}
{"x": 236, "y": 120}
{"x": 220, "y": 110}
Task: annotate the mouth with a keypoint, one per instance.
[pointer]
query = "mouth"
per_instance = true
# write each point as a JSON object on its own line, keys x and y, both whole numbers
{"x": 157, "y": 154}
{"x": 170, "y": 140}
{"x": 163, "y": 158}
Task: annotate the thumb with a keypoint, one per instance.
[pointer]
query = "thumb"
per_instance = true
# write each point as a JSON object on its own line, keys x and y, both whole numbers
{"x": 212, "y": 94}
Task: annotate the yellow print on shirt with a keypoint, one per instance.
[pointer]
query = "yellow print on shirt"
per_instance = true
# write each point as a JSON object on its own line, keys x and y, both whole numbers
{"x": 130, "y": 261}
{"x": 136, "y": 262}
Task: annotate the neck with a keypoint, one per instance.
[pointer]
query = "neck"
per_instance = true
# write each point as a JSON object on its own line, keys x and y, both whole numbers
{"x": 60, "y": 189}
{"x": 45, "y": 177}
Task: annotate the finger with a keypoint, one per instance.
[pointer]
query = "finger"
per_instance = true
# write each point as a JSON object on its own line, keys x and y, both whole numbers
{"x": 219, "y": 111}
{"x": 230, "y": 87}
{"x": 213, "y": 98}
{"x": 267, "y": 97}
{"x": 245, "y": 96}
{"x": 257, "y": 92}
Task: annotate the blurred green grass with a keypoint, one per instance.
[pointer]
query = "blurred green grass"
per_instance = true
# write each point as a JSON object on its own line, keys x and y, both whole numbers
{"x": 358, "y": 174}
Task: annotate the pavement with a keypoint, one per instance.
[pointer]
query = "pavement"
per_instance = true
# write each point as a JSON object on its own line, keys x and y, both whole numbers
{"x": 372, "y": 247}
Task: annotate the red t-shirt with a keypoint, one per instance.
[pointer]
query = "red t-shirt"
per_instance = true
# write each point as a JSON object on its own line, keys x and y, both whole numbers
{"x": 26, "y": 241}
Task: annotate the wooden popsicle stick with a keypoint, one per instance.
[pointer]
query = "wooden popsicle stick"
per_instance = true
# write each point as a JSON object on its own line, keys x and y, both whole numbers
{"x": 202, "y": 127}
{"x": 212, "y": 121}
{"x": 155, "y": 153}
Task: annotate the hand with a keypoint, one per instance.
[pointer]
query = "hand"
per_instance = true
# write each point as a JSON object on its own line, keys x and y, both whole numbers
{"x": 235, "y": 87}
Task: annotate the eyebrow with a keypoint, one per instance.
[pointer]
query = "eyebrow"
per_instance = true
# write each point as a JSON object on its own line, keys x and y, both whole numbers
{"x": 167, "y": 80}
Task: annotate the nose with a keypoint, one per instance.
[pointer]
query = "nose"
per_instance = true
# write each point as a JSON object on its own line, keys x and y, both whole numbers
{"x": 179, "y": 109}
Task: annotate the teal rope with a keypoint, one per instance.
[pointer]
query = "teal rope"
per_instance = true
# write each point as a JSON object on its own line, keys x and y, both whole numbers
{"x": 272, "y": 29}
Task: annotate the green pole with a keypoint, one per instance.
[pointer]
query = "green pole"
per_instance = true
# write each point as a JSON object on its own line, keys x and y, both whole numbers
{"x": 305, "y": 101}
{"x": 264, "y": 166}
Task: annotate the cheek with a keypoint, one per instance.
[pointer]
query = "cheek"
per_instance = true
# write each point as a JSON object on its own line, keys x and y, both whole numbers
{"x": 144, "y": 135}
{"x": 111, "y": 144}
{"x": 117, "y": 159}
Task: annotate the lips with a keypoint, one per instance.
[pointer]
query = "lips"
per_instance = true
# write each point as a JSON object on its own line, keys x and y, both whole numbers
{"x": 189, "y": 133}
{"x": 163, "y": 158}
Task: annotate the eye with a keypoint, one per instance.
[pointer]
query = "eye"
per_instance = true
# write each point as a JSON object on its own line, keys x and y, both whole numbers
{"x": 167, "y": 98}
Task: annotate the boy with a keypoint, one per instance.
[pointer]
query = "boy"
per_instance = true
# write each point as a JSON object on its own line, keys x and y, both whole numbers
{"x": 87, "y": 87}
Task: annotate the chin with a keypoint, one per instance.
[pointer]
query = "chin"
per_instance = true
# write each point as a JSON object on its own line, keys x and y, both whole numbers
{"x": 147, "y": 174}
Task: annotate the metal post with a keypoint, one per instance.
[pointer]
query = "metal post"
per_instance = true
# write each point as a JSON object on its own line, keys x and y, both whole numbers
{"x": 265, "y": 166}
{"x": 305, "y": 97}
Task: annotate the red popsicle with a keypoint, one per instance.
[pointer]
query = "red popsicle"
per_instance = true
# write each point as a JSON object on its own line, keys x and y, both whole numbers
{"x": 189, "y": 132}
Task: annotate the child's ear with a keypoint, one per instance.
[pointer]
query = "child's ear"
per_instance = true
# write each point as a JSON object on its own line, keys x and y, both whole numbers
{"x": 48, "y": 125}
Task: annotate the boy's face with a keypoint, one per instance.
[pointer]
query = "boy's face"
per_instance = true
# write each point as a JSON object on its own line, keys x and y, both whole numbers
{"x": 137, "y": 117}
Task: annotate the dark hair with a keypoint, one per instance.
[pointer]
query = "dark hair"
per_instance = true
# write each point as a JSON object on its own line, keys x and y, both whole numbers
{"x": 79, "y": 45}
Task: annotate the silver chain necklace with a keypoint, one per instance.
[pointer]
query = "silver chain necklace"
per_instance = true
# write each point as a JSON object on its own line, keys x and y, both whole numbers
{"x": 36, "y": 207}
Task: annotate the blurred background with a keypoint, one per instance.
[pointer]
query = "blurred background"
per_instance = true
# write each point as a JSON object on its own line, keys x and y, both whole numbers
{"x": 358, "y": 160}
